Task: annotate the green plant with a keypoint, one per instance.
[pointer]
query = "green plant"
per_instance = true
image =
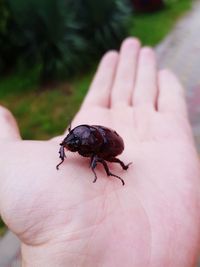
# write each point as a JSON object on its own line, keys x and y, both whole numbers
{"x": 64, "y": 37}
{"x": 45, "y": 33}
{"x": 4, "y": 14}
{"x": 4, "y": 18}
{"x": 103, "y": 23}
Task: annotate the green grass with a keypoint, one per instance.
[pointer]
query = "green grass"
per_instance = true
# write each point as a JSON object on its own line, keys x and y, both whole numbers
{"x": 41, "y": 114}
{"x": 2, "y": 227}
{"x": 152, "y": 28}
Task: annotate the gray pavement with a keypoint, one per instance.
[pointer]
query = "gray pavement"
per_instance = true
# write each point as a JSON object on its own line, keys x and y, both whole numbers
{"x": 9, "y": 251}
{"x": 179, "y": 51}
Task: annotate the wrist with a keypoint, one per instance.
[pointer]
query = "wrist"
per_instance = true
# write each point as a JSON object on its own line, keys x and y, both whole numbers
{"x": 44, "y": 256}
{"x": 56, "y": 254}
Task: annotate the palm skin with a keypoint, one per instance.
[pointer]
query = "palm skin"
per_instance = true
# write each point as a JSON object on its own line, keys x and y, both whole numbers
{"x": 63, "y": 219}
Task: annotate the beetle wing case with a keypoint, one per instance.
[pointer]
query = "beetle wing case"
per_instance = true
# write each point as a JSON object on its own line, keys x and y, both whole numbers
{"x": 113, "y": 144}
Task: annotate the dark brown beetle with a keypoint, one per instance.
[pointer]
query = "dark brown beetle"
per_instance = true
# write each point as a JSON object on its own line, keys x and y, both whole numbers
{"x": 99, "y": 143}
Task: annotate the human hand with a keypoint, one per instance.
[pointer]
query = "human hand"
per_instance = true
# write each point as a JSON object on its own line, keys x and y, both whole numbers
{"x": 63, "y": 219}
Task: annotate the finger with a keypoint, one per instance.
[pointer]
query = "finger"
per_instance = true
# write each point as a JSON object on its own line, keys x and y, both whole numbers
{"x": 171, "y": 94}
{"x": 99, "y": 93}
{"x": 125, "y": 74}
{"x": 145, "y": 91}
{"x": 9, "y": 129}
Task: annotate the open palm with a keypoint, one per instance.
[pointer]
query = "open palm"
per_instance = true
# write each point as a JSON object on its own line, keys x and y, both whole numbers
{"x": 64, "y": 219}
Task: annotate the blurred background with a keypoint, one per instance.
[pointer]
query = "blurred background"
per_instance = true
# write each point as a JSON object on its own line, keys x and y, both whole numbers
{"x": 49, "y": 50}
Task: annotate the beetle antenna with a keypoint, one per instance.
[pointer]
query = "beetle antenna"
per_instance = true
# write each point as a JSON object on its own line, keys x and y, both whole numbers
{"x": 70, "y": 126}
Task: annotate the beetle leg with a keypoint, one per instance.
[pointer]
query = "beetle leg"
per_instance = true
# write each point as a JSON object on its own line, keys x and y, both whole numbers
{"x": 62, "y": 156}
{"x": 108, "y": 171}
{"x": 124, "y": 167}
{"x": 93, "y": 165}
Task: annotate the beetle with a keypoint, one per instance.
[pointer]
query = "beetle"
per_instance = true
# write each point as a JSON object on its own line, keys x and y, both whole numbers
{"x": 99, "y": 143}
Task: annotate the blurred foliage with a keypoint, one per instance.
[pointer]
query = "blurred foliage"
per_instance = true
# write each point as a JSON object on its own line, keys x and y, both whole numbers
{"x": 147, "y": 5}
{"x": 2, "y": 227}
{"x": 4, "y": 18}
{"x": 57, "y": 34}
{"x": 4, "y": 15}
{"x": 103, "y": 23}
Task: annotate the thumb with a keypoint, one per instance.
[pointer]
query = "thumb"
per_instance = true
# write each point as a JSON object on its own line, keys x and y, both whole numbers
{"x": 8, "y": 126}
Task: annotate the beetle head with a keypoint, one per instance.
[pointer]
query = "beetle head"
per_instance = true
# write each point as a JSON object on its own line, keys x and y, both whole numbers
{"x": 71, "y": 142}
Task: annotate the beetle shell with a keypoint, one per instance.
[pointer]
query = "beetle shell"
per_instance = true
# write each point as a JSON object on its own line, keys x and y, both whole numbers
{"x": 112, "y": 145}
{"x": 94, "y": 140}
